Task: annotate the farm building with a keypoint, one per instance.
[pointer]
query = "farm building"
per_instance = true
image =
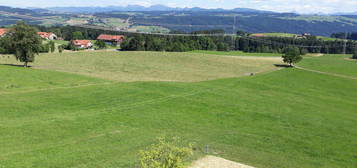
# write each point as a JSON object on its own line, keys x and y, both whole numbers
{"x": 304, "y": 35}
{"x": 83, "y": 44}
{"x": 3, "y": 32}
{"x": 47, "y": 35}
{"x": 111, "y": 39}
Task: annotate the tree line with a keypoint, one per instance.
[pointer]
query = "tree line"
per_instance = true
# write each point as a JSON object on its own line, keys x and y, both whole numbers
{"x": 343, "y": 35}
{"x": 246, "y": 43}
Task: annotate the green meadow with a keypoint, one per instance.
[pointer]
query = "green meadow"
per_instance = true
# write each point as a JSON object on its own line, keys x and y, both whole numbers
{"x": 293, "y": 35}
{"x": 236, "y": 53}
{"x": 81, "y": 110}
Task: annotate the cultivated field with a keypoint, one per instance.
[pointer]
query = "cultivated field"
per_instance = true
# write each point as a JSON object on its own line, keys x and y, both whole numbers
{"x": 288, "y": 118}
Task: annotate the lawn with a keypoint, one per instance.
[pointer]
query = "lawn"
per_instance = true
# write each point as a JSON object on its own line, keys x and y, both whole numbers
{"x": 287, "y": 118}
{"x": 150, "y": 66}
{"x": 334, "y": 63}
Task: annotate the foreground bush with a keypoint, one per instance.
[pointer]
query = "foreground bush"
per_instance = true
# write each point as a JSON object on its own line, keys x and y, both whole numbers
{"x": 165, "y": 154}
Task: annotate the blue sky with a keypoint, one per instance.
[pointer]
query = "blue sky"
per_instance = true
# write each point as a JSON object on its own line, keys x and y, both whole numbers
{"x": 301, "y": 6}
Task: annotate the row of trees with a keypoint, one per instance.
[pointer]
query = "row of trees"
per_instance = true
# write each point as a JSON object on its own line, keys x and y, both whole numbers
{"x": 143, "y": 42}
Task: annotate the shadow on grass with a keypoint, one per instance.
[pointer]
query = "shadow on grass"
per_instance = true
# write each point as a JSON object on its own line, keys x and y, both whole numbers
{"x": 283, "y": 66}
{"x": 17, "y": 65}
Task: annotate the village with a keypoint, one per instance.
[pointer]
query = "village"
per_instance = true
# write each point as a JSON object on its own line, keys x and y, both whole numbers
{"x": 79, "y": 44}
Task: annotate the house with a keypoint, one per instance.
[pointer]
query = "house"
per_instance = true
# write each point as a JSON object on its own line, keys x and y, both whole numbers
{"x": 111, "y": 39}
{"x": 304, "y": 35}
{"x": 83, "y": 44}
{"x": 47, "y": 35}
{"x": 3, "y": 32}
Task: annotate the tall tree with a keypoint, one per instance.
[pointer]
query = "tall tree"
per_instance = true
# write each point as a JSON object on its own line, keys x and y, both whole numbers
{"x": 24, "y": 42}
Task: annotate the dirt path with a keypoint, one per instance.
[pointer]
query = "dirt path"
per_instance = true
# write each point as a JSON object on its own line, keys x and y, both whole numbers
{"x": 327, "y": 73}
{"x": 216, "y": 162}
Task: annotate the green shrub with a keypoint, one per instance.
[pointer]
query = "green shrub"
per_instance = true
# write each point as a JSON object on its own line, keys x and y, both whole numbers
{"x": 61, "y": 48}
{"x": 222, "y": 47}
{"x": 354, "y": 56}
{"x": 100, "y": 44}
{"x": 165, "y": 154}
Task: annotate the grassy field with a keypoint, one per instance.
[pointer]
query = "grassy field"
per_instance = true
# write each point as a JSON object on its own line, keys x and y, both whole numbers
{"x": 150, "y": 29}
{"x": 339, "y": 64}
{"x": 287, "y": 118}
{"x": 293, "y": 35}
{"x": 20, "y": 79}
{"x": 236, "y": 53}
{"x": 151, "y": 66}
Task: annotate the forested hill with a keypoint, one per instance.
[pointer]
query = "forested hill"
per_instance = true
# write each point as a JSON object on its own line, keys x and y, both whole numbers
{"x": 189, "y": 20}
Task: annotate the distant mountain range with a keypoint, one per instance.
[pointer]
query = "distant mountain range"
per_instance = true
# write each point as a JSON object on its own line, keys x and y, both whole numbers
{"x": 144, "y": 9}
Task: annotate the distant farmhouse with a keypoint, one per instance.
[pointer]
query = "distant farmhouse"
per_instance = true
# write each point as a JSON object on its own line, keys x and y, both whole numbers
{"x": 3, "y": 32}
{"x": 82, "y": 44}
{"x": 47, "y": 35}
{"x": 111, "y": 39}
{"x": 304, "y": 35}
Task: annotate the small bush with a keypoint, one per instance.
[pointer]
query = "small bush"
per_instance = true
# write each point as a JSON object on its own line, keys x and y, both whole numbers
{"x": 61, "y": 48}
{"x": 354, "y": 56}
{"x": 100, "y": 44}
{"x": 165, "y": 154}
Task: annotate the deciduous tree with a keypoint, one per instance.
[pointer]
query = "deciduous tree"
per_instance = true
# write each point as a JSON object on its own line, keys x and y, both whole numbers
{"x": 24, "y": 42}
{"x": 292, "y": 55}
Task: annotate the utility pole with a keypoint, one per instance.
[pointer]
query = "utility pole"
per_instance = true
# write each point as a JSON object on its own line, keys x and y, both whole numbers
{"x": 234, "y": 32}
{"x": 345, "y": 44}
{"x": 234, "y": 24}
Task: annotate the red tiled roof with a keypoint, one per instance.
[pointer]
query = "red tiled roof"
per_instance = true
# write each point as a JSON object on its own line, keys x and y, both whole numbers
{"x": 44, "y": 34}
{"x": 3, "y": 31}
{"x": 81, "y": 42}
{"x": 258, "y": 35}
{"x": 106, "y": 37}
